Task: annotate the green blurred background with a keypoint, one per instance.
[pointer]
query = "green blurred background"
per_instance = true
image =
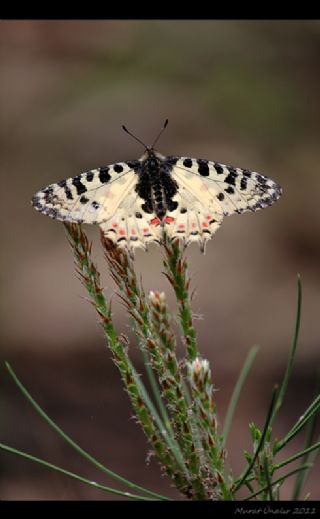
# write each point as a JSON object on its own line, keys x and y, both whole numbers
{"x": 240, "y": 92}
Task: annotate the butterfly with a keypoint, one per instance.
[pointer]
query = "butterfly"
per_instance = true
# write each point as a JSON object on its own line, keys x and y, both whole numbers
{"x": 133, "y": 202}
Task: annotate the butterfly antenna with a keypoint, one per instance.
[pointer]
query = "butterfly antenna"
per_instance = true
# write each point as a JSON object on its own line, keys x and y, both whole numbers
{"x": 160, "y": 133}
{"x": 134, "y": 137}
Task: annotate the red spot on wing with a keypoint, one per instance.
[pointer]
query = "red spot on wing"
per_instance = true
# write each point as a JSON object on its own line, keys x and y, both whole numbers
{"x": 133, "y": 231}
{"x": 122, "y": 232}
{"x": 181, "y": 226}
{"x": 145, "y": 229}
{"x": 114, "y": 225}
{"x": 209, "y": 217}
{"x": 169, "y": 219}
{"x": 155, "y": 221}
{"x": 204, "y": 224}
{"x": 193, "y": 226}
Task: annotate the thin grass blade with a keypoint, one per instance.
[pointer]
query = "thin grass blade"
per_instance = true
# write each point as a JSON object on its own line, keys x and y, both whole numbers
{"x": 237, "y": 391}
{"x": 261, "y": 442}
{"x": 291, "y": 473}
{"x": 72, "y": 475}
{"x": 72, "y": 443}
{"x": 287, "y": 374}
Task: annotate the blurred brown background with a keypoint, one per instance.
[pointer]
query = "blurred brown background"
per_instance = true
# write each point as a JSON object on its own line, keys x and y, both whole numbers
{"x": 242, "y": 93}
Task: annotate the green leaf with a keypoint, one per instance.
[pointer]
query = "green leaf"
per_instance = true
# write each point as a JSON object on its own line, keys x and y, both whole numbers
{"x": 308, "y": 415}
{"x": 237, "y": 391}
{"x": 298, "y": 455}
{"x": 311, "y": 426}
{"x": 287, "y": 374}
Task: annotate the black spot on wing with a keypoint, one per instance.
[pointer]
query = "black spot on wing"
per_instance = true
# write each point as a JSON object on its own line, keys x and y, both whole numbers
{"x": 172, "y": 205}
{"x": 218, "y": 168}
{"x": 52, "y": 212}
{"x": 187, "y": 163}
{"x": 261, "y": 179}
{"x": 243, "y": 183}
{"x": 67, "y": 190}
{"x": 118, "y": 168}
{"x": 89, "y": 176}
{"x": 84, "y": 199}
{"x": 36, "y": 202}
{"x": 95, "y": 205}
{"x": 220, "y": 197}
{"x": 231, "y": 178}
{"x": 48, "y": 192}
{"x": 203, "y": 167}
{"x": 232, "y": 171}
{"x": 104, "y": 176}
{"x": 76, "y": 181}
{"x": 230, "y": 190}
{"x": 68, "y": 193}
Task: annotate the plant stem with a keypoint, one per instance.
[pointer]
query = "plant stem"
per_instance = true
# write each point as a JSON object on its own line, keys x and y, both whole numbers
{"x": 164, "y": 444}
{"x": 176, "y": 271}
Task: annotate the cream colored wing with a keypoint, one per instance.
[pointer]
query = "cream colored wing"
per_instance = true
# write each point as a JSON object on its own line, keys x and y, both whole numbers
{"x": 92, "y": 197}
{"x": 197, "y": 216}
{"x": 130, "y": 227}
{"x": 226, "y": 189}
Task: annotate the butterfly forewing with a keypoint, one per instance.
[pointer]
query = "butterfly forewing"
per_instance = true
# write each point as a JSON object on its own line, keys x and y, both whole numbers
{"x": 233, "y": 190}
{"x": 92, "y": 197}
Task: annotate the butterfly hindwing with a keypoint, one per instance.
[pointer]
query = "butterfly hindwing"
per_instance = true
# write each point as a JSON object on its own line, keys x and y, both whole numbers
{"x": 192, "y": 220}
{"x": 130, "y": 227}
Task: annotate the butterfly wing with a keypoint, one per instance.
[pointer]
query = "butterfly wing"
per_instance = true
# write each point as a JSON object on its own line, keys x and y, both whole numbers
{"x": 104, "y": 196}
{"x": 130, "y": 227}
{"x": 92, "y": 197}
{"x": 208, "y": 191}
{"x": 218, "y": 191}
{"x": 232, "y": 190}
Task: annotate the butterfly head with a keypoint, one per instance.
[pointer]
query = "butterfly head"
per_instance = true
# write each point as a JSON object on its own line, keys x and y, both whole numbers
{"x": 151, "y": 155}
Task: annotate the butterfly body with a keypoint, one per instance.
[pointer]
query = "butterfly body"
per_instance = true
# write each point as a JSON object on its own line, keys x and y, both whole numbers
{"x": 134, "y": 201}
{"x": 155, "y": 184}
